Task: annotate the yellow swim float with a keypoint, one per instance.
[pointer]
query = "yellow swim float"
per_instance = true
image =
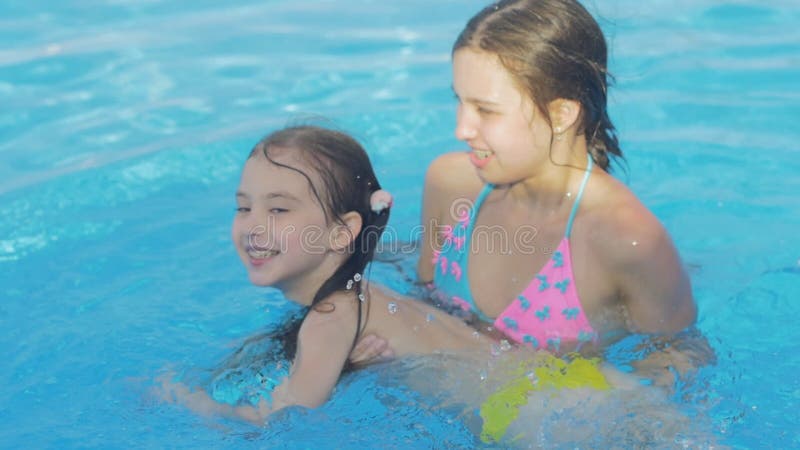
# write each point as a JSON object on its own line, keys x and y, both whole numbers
{"x": 550, "y": 372}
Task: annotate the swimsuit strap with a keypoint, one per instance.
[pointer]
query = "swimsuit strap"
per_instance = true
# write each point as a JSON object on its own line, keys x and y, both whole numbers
{"x": 470, "y": 229}
{"x": 478, "y": 203}
{"x": 578, "y": 198}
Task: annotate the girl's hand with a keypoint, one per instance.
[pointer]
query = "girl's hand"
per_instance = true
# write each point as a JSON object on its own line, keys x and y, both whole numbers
{"x": 197, "y": 400}
{"x": 371, "y": 349}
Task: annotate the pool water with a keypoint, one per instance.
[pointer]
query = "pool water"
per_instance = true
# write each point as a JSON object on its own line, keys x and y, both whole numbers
{"x": 124, "y": 124}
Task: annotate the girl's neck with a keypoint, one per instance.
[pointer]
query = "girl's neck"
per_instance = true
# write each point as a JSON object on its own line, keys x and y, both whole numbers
{"x": 302, "y": 289}
{"x": 555, "y": 184}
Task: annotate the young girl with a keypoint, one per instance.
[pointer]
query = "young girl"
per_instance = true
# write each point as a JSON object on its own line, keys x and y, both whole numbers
{"x": 310, "y": 213}
{"x": 550, "y": 249}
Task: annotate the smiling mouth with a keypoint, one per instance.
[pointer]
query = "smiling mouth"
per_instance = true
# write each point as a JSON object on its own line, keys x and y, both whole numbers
{"x": 482, "y": 154}
{"x": 261, "y": 254}
{"x": 481, "y": 158}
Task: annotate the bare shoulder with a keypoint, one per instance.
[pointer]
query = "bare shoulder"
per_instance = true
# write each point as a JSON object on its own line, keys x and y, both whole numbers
{"x": 337, "y": 313}
{"x": 627, "y": 230}
{"x": 639, "y": 258}
{"x": 325, "y": 339}
{"x": 449, "y": 181}
{"x": 450, "y": 176}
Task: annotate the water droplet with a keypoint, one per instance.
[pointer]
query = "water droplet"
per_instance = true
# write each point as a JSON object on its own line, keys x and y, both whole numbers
{"x": 429, "y": 317}
{"x": 505, "y": 345}
{"x": 483, "y": 375}
{"x": 569, "y": 194}
{"x": 476, "y": 335}
{"x": 392, "y": 307}
{"x": 494, "y": 350}
{"x": 415, "y": 328}
{"x": 634, "y": 243}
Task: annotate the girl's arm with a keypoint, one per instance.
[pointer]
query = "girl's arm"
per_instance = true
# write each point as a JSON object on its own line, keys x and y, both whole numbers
{"x": 199, "y": 402}
{"x": 325, "y": 339}
{"x": 323, "y": 344}
{"x": 432, "y": 204}
{"x": 654, "y": 288}
{"x": 451, "y": 185}
{"x": 649, "y": 274}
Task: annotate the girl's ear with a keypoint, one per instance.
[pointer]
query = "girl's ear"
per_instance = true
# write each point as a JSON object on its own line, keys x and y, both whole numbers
{"x": 563, "y": 114}
{"x": 343, "y": 235}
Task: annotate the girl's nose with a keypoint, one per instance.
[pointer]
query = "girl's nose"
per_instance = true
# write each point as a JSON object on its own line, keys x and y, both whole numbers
{"x": 465, "y": 129}
{"x": 254, "y": 226}
{"x": 257, "y": 234}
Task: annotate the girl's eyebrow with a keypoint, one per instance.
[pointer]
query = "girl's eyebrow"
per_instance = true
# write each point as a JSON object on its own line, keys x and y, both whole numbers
{"x": 474, "y": 100}
{"x": 271, "y": 195}
{"x": 280, "y": 194}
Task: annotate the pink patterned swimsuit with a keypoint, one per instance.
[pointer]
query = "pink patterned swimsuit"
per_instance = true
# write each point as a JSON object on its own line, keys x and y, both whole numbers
{"x": 546, "y": 313}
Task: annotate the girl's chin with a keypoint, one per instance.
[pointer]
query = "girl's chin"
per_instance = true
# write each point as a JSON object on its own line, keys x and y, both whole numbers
{"x": 259, "y": 278}
{"x": 259, "y": 281}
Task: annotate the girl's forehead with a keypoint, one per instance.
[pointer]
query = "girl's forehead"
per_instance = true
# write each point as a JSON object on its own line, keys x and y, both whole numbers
{"x": 481, "y": 74}
{"x": 467, "y": 61}
{"x": 261, "y": 174}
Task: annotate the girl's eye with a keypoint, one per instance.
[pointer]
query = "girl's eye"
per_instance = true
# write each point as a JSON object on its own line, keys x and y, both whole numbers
{"x": 484, "y": 111}
{"x": 277, "y": 210}
{"x": 242, "y": 209}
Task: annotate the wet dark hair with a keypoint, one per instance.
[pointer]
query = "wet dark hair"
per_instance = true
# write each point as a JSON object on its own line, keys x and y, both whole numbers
{"x": 345, "y": 181}
{"x": 553, "y": 49}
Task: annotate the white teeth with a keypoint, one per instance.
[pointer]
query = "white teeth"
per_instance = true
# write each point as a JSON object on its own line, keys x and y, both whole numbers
{"x": 261, "y": 254}
{"x": 482, "y": 154}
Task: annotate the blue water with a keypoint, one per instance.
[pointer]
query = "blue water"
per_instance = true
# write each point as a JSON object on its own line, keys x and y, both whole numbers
{"x": 124, "y": 123}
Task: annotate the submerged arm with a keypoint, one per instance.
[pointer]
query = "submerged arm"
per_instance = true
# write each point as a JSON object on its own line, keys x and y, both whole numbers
{"x": 323, "y": 344}
{"x": 671, "y": 358}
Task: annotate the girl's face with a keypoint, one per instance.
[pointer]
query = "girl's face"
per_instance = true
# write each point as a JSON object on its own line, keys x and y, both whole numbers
{"x": 280, "y": 231}
{"x": 508, "y": 136}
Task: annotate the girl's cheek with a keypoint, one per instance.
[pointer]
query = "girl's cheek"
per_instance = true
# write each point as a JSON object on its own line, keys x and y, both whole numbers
{"x": 310, "y": 239}
{"x": 235, "y": 229}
